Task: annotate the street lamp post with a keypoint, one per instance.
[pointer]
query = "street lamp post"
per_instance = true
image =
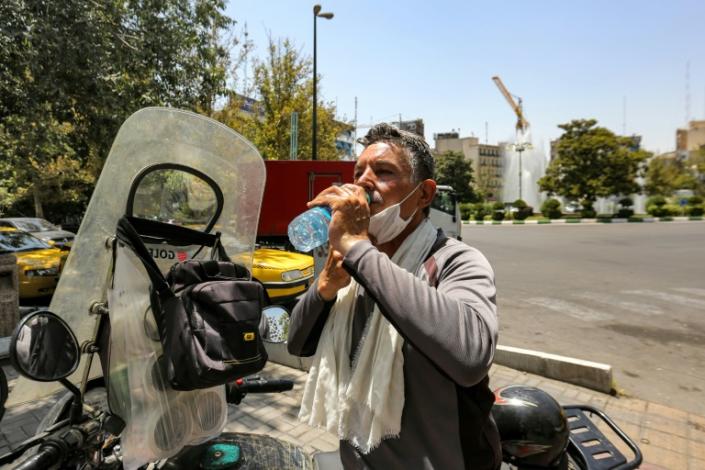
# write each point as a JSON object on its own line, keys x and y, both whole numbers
{"x": 316, "y": 14}
{"x": 520, "y": 147}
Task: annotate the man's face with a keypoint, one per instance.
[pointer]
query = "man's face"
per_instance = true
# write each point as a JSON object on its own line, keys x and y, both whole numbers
{"x": 387, "y": 177}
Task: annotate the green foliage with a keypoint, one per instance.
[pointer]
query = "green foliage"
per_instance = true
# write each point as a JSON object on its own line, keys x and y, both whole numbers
{"x": 466, "y": 210}
{"x": 626, "y": 202}
{"x": 592, "y": 162}
{"x": 551, "y": 208}
{"x": 696, "y": 162}
{"x": 71, "y": 72}
{"x": 587, "y": 211}
{"x": 481, "y": 210}
{"x": 673, "y": 209}
{"x": 657, "y": 201}
{"x": 454, "y": 170}
{"x": 624, "y": 213}
{"x": 662, "y": 210}
{"x": 523, "y": 211}
{"x": 498, "y": 211}
{"x": 665, "y": 175}
{"x": 283, "y": 85}
{"x": 695, "y": 211}
{"x": 695, "y": 200}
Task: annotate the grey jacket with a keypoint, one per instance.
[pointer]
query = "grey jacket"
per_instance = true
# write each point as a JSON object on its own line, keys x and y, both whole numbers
{"x": 448, "y": 318}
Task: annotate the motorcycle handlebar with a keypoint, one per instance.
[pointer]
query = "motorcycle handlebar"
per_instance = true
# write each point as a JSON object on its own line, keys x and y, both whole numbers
{"x": 47, "y": 456}
{"x": 237, "y": 390}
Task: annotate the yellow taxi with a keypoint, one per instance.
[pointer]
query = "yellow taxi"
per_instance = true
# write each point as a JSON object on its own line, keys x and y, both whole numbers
{"x": 39, "y": 265}
{"x": 284, "y": 274}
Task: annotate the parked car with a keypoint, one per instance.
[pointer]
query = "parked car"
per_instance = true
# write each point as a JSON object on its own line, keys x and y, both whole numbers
{"x": 39, "y": 264}
{"x": 285, "y": 274}
{"x": 41, "y": 228}
{"x": 572, "y": 208}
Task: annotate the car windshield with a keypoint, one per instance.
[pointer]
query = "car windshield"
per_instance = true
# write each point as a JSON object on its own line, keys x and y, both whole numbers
{"x": 12, "y": 242}
{"x": 35, "y": 225}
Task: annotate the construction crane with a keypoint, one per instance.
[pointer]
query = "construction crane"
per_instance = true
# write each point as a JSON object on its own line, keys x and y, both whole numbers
{"x": 522, "y": 123}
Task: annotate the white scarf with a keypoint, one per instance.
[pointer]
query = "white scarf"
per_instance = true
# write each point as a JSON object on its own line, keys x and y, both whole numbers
{"x": 362, "y": 404}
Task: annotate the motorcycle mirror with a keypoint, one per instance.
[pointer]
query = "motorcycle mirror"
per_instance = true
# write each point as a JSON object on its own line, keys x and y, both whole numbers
{"x": 175, "y": 194}
{"x": 43, "y": 347}
{"x": 277, "y": 319}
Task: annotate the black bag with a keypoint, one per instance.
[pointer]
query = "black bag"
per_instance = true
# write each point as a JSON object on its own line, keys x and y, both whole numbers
{"x": 207, "y": 312}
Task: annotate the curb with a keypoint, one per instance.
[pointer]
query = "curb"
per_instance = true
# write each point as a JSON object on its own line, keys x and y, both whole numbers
{"x": 592, "y": 375}
{"x": 585, "y": 221}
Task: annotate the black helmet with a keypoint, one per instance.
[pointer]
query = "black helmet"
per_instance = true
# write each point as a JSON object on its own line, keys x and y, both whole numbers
{"x": 532, "y": 426}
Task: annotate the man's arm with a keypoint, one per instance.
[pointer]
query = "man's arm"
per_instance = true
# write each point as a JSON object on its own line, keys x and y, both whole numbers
{"x": 454, "y": 325}
{"x": 306, "y": 323}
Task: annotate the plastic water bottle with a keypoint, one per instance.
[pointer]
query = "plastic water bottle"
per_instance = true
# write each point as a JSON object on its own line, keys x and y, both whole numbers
{"x": 310, "y": 229}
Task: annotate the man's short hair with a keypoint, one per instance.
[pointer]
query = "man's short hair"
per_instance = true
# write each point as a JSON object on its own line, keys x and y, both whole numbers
{"x": 414, "y": 146}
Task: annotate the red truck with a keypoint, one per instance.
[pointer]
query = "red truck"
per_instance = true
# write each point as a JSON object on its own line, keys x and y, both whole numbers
{"x": 290, "y": 185}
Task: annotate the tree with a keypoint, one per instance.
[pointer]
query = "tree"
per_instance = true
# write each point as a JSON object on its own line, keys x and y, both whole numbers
{"x": 593, "y": 162}
{"x": 71, "y": 72}
{"x": 283, "y": 85}
{"x": 696, "y": 164}
{"x": 665, "y": 175}
{"x": 454, "y": 170}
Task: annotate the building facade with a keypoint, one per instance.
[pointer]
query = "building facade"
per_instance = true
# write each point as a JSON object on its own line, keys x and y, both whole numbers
{"x": 691, "y": 139}
{"x": 486, "y": 160}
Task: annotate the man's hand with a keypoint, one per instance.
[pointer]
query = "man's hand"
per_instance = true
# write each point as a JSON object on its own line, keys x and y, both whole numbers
{"x": 350, "y": 218}
{"x": 333, "y": 277}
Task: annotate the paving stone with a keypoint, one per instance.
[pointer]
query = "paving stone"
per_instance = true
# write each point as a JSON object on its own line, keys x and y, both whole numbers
{"x": 324, "y": 445}
{"x": 665, "y": 441}
{"x": 666, "y": 425}
{"x": 696, "y": 450}
{"x": 297, "y": 431}
{"x": 664, "y": 458}
{"x": 310, "y": 435}
{"x": 666, "y": 412}
{"x": 696, "y": 425}
{"x": 282, "y": 425}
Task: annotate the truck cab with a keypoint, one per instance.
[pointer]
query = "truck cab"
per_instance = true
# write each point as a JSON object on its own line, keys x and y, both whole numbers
{"x": 445, "y": 212}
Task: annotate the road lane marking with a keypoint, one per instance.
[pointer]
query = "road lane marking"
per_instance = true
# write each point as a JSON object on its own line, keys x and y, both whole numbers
{"x": 671, "y": 298}
{"x": 571, "y": 309}
{"x": 616, "y": 301}
{"x": 690, "y": 290}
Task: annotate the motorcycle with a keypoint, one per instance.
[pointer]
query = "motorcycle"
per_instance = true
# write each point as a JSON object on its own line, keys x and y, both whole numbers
{"x": 80, "y": 432}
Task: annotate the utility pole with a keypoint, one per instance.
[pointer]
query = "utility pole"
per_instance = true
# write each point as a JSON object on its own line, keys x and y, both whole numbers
{"x": 316, "y": 14}
{"x": 355, "y": 133}
{"x": 624, "y": 115}
{"x": 687, "y": 93}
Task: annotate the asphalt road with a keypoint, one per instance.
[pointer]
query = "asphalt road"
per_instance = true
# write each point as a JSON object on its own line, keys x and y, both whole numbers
{"x": 628, "y": 295}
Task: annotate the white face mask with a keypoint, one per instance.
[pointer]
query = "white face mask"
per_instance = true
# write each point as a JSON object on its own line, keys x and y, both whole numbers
{"x": 386, "y": 225}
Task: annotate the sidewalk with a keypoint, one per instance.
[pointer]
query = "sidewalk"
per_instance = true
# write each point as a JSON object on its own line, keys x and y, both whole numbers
{"x": 669, "y": 438}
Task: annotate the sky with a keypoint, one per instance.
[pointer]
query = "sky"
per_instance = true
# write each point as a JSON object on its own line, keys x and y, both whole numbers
{"x": 435, "y": 60}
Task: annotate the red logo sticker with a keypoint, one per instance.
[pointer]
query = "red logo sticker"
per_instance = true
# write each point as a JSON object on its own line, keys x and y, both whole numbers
{"x": 182, "y": 255}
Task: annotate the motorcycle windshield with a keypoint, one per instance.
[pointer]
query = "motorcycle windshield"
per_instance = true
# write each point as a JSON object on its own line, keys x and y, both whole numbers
{"x": 169, "y": 140}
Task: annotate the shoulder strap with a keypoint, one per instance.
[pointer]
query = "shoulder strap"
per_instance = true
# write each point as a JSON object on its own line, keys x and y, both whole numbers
{"x": 430, "y": 263}
{"x": 128, "y": 236}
